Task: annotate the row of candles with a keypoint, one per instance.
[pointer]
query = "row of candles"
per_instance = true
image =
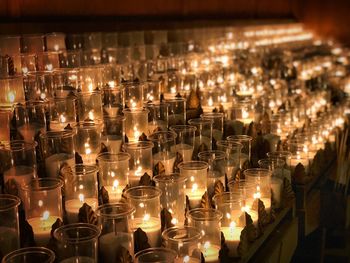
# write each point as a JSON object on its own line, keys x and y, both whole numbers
{"x": 51, "y": 117}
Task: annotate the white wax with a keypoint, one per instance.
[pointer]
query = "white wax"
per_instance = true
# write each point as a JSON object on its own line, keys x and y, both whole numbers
{"x": 211, "y": 254}
{"x": 112, "y": 142}
{"x": 185, "y": 150}
{"x": 195, "y": 196}
{"x": 42, "y": 229}
{"x": 28, "y": 131}
{"x": 9, "y": 240}
{"x": 167, "y": 159}
{"x": 135, "y": 175}
{"x": 276, "y": 187}
{"x": 110, "y": 243}
{"x": 232, "y": 238}
{"x": 114, "y": 193}
{"x": 72, "y": 207}
{"x": 152, "y": 229}
{"x": 78, "y": 260}
{"x": 54, "y": 162}
{"x": 89, "y": 158}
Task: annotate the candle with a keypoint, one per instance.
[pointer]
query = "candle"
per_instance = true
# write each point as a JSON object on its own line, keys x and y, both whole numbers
{"x": 110, "y": 243}
{"x": 167, "y": 159}
{"x": 195, "y": 195}
{"x": 267, "y": 201}
{"x": 276, "y": 187}
{"x": 112, "y": 142}
{"x": 150, "y": 225}
{"x": 88, "y": 157}
{"x": 42, "y": 227}
{"x": 73, "y": 206}
{"x": 185, "y": 150}
{"x": 114, "y": 191}
{"x": 54, "y": 163}
{"x": 210, "y": 252}
{"x": 232, "y": 236}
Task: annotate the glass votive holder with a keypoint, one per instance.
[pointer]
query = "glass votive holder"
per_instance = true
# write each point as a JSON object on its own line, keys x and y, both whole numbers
{"x": 58, "y": 150}
{"x": 218, "y": 123}
{"x": 216, "y": 161}
{"x": 113, "y": 133}
{"x": 77, "y": 242}
{"x": 156, "y": 255}
{"x": 70, "y": 58}
{"x": 173, "y": 196}
{"x": 152, "y": 91}
{"x": 133, "y": 94}
{"x": 115, "y": 221}
{"x": 140, "y": 160}
{"x": 163, "y": 156}
{"x": 12, "y": 91}
{"x": 90, "y": 106}
{"x": 5, "y": 120}
{"x": 65, "y": 82}
{"x": 276, "y": 167}
{"x": 32, "y": 43}
{"x": 208, "y": 221}
{"x": 184, "y": 140}
{"x": 18, "y": 159}
{"x": 146, "y": 200}
{"x": 81, "y": 187}
{"x": 30, "y": 254}
{"x": 87, "y": 139}
{"x": 113, "y": 101}
{"x": 55, "y": 41}
{"x": 28, "y": 63}
{"x": 204, "y": 135}
{"x": 233, "y": 153}
{"x": 30, "y": 119}
{"x": 136, "y": 123}
{"x": 9, "y": 224}
{"x": 233, "y": 219}
{"x": 113, "y": 173}
{"x": 261, "y": 180}
{"x": 48, "y": 61}
{"x": 38, "y": 85}
{"x": 176, "y": 111}
{"x": 243, "y": 112}
{"x": 246, "y": 150}
{"x": 157, "y": 116}
{"x": 62, "y": 113}
{"x": 196, "y": 183}
{"x": 284, "y": 155}
{"x": 299, "y": 154}
{"x": 90, "y": 78}
{"x": 43, "y": 206}
{"x": 185, "y": 240}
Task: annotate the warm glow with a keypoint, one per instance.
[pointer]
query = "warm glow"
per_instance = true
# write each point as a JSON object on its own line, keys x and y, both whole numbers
{"x": 194, "y": 187}
{"x": 146, "y": 217}
{"x": 46, "y": 215}
{"x": 11, "y": 96}
{"x": 81, "y": 198}
{"x": 115, "y": 184}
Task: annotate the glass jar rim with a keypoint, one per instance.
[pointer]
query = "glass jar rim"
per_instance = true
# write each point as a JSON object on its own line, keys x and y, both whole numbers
{"x": 169, "y": 178}
{"x": 239, "y": 138}
{"x": 228, "y": 198}
{"x": 112, "y": 157}
{"x": 27, "y": 250}
{"x": 217, "y": 154}
{"x": 156, "y": 192}
{"x": 56, "y": 134}
{"x": 279, "y": 162}
{"x": 182, "y": 128}
{"x": 212, "y": 115}
{"x": 229, "y": 144}
{"x": 257, "y": 172}
{"x": 193, "y": 165}
{"x": 100, "y": 211}
{"x": 138, "y": 111}
{"x": 35, "y": 184}
{"x": 15, "y": 201}
{"x": 96, "y": 231}
{"x": 153, "y": 250}
{"x": 287, "y": 154}
{"x": 168, "y": 231}
{"x": 85, "y": 169}
{"x": 204, "y": 214}
{"x": 18, "y": 145}
{"x": 162, "y": 136}
{"x": 139, "y": 145}
{"x": 200, "y": 121}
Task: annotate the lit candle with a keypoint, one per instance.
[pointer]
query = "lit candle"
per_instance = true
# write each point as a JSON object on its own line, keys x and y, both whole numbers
{"x": 28, "y": 131}
{"x": 88, "y": 157}
{"x": 112, "y": 142}
{"x": 112, "y": 242}
{"x": 73, "y": 206}
{"x": 135, "y": 175}
{"x": 42, "y": 227}
{"x": 245, "y": 118}
{"x": 232, "y": 235}
{"x": 257, "y": 195}
{"x": 195, "y": 194}
{"x": 114, "y": 191}
{"x": 210, "y": 252}
{"x": 152, "y": 227}
{"x": 54, "y": 163}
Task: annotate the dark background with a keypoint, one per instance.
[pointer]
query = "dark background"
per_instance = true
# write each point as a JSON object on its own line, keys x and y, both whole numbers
{"x": 330, "y": 18}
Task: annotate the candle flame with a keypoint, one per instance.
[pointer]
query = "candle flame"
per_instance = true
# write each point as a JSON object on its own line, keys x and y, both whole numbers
{"x": 91, "y": 115}
{"x": 46, "y": 215}
{"x": 11, "y": 96}
{"x": 81, "y": 198}
{"x": 115, "y": 184}
{"x": 232, "y": 225}
{"x": 194, "y": 187}
{"x": 62, "y": 118}
{"x": 146, "y": 217}
{"x": 245, "y": 114}
{"x": 206, "y": 245}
